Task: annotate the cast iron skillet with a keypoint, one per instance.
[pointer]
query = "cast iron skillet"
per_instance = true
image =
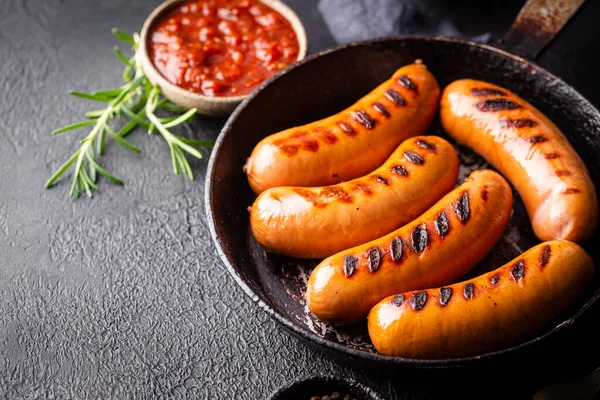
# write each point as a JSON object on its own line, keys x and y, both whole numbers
{"x": 328, "y": 82}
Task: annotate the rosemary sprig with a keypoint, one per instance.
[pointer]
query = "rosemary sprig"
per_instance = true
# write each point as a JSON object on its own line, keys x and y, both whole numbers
{"x": 136, "y": 100}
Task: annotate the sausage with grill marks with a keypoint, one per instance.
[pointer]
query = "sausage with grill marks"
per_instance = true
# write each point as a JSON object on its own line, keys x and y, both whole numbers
{"x": 527, "y": 148}
{"x": 320, "y": 221}
{"x": 435, "y": 249}
{"x": 490, "y": 312}
{"x": 352, "y": 142}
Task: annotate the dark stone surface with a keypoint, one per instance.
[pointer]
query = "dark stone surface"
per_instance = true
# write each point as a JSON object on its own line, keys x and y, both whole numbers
{"x": 123, "y": 296}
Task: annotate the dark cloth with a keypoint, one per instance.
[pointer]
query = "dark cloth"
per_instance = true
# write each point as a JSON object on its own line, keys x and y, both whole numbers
{"x": 354, "y": 20}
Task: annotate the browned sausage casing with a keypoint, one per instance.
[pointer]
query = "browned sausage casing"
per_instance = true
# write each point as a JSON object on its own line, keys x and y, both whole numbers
{"x": 317, "y": 222}
{"x": 435, "y": 249}
{"x": 351, "y": 143}
{"x": 487, "y": 313}
{"x": 530, "y": 151}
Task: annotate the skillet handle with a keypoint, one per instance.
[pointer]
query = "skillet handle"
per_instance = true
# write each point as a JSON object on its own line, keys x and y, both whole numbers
{"x": 537, "y": 24}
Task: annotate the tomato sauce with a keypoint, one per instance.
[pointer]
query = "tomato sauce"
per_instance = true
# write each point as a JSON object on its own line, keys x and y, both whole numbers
{"x": 221, "y": 47}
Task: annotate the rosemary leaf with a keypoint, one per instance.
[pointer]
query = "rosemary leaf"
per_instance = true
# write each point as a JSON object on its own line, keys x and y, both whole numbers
{"x": 197, "y": 143}
{"x": 84, "y": 184}
{"x": 91, "y": 166}
{"x": 184, "y": 164}
{"x": 73, "y": 126}
{"x": 89, "y": 181}
{"x": 94, "y": 113}
{"x": 174, "y": 160}
{"x": 126, "y": 130}
{"x": 181, "y": 119}
{"x": 123, "y": 36}
{"x": 105, "y": 173}
{"x": 74, "y": 188}
{"x": 77, "y": 171}
{"x": 189, "y": 149}
{"x": 63, "y": 168}
{"x": 131, "y": 125}
{"x": 135, "y": 117}
{"x": 101, "y": 140}
{"x": 123, "y": 142}
{"x": 121, "y": 56}
{"x": 89, "y": 96}
{"x": 168, "y": 106}
{"x": 148, "y": 89}
{"x": 127, "y": 74}
{"x": 108, "y": 93}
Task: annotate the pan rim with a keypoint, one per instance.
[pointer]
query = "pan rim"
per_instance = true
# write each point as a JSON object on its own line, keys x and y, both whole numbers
{"x": 337, "y": 347}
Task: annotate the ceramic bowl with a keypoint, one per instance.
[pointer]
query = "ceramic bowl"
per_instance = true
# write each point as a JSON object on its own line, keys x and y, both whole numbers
{"x": 206, "y": 105}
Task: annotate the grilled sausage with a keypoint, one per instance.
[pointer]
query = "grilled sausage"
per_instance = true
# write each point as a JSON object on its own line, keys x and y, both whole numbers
{"x": 351, "y": 143}
{"x": 320, "y": 221}
{"x": 530, "y": 151}
{"x": 487, "y": 313}
{"x": 435, "y": 249}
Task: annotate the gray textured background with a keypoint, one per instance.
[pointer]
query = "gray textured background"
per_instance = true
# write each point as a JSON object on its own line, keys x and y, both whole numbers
{"x": 123, "y": 296}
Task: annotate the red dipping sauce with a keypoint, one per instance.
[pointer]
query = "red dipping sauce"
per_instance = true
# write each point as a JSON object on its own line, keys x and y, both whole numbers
{"x": 221, "y": 47}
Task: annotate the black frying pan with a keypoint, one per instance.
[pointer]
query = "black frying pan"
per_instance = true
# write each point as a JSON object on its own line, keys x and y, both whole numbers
{"x": 328, "y": 82}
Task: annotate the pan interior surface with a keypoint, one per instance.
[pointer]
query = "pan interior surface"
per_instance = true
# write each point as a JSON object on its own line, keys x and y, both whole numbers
{"x": 324, "y": 84}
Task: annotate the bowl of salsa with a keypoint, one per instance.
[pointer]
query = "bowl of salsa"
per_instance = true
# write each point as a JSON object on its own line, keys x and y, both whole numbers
{"x": 210, "y": 54}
